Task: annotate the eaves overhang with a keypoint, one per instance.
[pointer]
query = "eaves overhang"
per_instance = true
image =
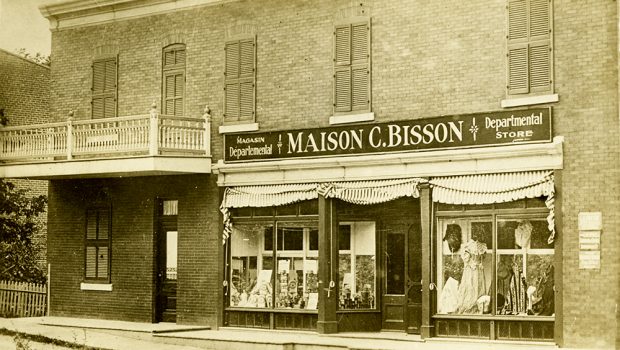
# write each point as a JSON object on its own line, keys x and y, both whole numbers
{"x": 77, "y": 13}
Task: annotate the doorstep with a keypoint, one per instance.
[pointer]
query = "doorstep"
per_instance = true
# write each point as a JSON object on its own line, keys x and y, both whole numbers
{"x": 154, "y": 328}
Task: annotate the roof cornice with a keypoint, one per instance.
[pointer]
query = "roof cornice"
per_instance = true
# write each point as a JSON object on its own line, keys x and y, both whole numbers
{"x": 77, "y": 13}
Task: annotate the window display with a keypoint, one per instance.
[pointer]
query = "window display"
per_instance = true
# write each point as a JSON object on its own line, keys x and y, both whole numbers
{"x": 290, "y": 283}
{"x": 522, "y": 270}
{"x": 357, "y": 265}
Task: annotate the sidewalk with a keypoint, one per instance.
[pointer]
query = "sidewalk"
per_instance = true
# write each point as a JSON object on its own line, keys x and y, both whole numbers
{"x": 130, "y": 335}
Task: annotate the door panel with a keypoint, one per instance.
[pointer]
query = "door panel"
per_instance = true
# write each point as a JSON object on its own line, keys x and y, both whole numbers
{"x": 167, "y": 271}
{"x": 395, "y": 277}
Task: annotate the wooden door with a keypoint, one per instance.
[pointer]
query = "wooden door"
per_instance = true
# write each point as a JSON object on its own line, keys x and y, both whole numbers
{"x": 167, "y": 271}
{"x": 402, "y": 290}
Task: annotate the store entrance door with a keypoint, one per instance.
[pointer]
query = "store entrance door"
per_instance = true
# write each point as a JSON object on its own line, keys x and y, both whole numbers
{"x": 166, "y": 307}
{"x": 402, "y": 290}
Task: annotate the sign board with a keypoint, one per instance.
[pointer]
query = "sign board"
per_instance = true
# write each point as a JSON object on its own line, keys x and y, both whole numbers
{"x": 446, "y": 132}
{"x": 589, "y": 259}
{"x": 589, "y": 221}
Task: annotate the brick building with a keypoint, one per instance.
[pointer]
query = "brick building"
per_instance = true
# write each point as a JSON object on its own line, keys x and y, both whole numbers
{"x": 25, "y": 100}
{"x": 396, "y": 172}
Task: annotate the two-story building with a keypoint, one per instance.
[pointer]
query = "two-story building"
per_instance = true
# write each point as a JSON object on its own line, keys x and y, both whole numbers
{"x": 445, "y": 169}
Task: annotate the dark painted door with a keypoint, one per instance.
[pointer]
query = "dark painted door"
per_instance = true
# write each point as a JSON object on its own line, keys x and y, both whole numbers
{"x": 167, "y": 239}
{"x": 402, "y": 290}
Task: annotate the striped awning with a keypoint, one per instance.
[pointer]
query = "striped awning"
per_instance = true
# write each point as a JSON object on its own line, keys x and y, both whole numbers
{"x": 371, "y": 192}
{"x": 357, "y": 192}
{"x": 497, "y": 188}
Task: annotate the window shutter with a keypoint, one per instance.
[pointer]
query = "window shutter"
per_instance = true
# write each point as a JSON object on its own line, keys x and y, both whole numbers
{"x": 342, "y": 45}
{"x": 102, "y": 262}
{"x": 360, "y": 79}
{"x": 239, "y": 76}
{"x": 103, "y": 101}
{"x": 518, "y": 82}
{"x": 342, "y": 91}
{"x": 529, "y": 46}
{"x": 91, "y": 224}
{"x": 173, "y": 76}
{"x": 91, "y": 262}
{"x": 352, "y": 67}
{"x": 103, "y": 224}
{"x": 540, "y": 45}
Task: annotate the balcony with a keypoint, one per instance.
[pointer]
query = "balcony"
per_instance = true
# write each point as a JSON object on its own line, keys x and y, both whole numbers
{"x": 140, "y": 145}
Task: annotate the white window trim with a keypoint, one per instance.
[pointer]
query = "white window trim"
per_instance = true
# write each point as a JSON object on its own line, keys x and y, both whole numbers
{"x": 530, "y": 100}
{"x": 225, "y": 129}
{"x": 104, "y": 287}
{"x": 352, "y": 118}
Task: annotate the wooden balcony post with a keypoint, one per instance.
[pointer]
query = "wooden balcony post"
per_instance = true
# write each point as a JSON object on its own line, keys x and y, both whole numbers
{"x": 153, "y": 131}
{"x": 70, "y": 136}
{"x": 207, "y": 129}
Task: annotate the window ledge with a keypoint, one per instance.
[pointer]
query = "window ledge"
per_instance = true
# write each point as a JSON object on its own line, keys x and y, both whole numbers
{"x": 104, "y": 287}
{"x": 225, "y": 129}
{"x": 352, "y": 118}
{"x": 530, "y": 100}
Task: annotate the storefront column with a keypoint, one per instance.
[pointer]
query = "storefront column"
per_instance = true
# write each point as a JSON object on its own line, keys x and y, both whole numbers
{"x": 426, "y": 216}
{"x": 328, "y": 266}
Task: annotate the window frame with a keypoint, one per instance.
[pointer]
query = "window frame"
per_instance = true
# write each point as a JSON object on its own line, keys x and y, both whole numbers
{"x": 173, "y": 71}
{"x": 104, "y": 94}
{"x": 107, "y": 242}
{"x": 238, "y": 80}
{"x": 349, "y": 66}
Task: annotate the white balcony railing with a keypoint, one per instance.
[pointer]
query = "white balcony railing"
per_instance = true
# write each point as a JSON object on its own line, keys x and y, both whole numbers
{"x": 150, "y": 134}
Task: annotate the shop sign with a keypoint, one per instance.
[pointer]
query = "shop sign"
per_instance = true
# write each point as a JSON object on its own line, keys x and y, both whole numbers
{"x": 447, "y": 132}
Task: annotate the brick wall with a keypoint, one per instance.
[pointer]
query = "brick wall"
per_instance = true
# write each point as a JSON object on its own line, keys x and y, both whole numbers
{"x": 421, "y": 67}
{"x": 132, "y": 274}
{"x": 25, "y": 98}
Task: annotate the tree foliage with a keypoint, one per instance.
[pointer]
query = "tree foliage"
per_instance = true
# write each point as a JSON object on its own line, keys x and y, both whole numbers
{"x": 18, "y": 225}
{"x": 38, "y": 57}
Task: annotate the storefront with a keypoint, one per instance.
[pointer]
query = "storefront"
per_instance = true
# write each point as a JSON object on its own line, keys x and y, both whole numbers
{"x": 439, "y": 226}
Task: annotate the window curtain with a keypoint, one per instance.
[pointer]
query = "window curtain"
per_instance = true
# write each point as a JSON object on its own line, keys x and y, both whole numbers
{"x": 497, "y": 188}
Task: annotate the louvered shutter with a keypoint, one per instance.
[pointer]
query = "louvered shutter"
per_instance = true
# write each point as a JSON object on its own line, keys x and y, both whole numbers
{"x": 239, "y": 80}
{"x": 97, "y": 252}
{"x": 540, "y": 45}
{"x": 174, "y": 80}
{"x": 352, "y": 67}
{"x": 518, "y": 76}
{"x": 103, "y": 101}
{"x": 529, "y": 46}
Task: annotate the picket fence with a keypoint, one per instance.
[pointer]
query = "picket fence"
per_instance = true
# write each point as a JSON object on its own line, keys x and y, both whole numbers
{"x": 20, "y": 299}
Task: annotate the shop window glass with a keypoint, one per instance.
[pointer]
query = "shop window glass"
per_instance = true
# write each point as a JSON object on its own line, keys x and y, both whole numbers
{"x": 310, "y": 207}
{"x": 251, "y": 284}
{"x": 357, "y": 269}
{"x": 296, "y": 285}
{"x": 274, "y": 270}
{"x": 523, "y": 270}
{"x": 524, "y": 267}
{"x": 263, "y": 211}
{"x": 466, "y": 262}
{"x": 290, "y": 209}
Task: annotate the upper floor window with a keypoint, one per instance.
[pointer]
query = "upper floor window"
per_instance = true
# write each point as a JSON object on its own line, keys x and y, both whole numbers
{"x": 239, "y": 80}
{"x": 530, "y": 54}
{"x": 173, "y": 76}
{"x": 97, "y": 244}
{"x": 352, "y": 67}
{"x": 103, "y": 103}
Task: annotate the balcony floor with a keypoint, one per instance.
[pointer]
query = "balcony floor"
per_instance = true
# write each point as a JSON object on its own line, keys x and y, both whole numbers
{"x": 109, "y": 167}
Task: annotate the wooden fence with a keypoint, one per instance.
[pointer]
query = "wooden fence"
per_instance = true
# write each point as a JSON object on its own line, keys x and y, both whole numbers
{"x": 19, "y": 299}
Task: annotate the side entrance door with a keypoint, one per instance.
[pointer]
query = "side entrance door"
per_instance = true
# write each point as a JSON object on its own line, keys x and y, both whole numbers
{"x": 166, "y": 299}
{"x": 402, "y": 289}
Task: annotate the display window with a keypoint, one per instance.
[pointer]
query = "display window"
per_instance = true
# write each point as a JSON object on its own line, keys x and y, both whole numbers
{"x": 274, "y": 258}
{"x": 499, "y": 263}
{"x": 357, "y": 267}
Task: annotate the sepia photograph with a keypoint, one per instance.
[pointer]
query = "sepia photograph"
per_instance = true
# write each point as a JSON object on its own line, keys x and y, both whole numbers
{"x": 309, "y": 174}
